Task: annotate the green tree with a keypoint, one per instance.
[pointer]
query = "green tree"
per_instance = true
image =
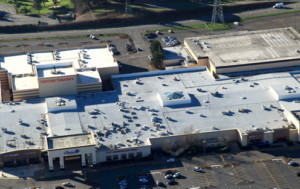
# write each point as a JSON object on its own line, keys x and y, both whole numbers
{"x": 157, "y": 54}
{"x": 44, "y": 1}
{"x": 55, "y": 2}
{"x": 81, "y": 6}
{"x": 37, "y": 5}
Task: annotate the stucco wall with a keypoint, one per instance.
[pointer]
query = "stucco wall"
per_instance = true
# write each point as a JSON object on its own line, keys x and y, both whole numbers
{"x": 55, "y": 86}
{"x": 101, "y": 154}
{"x": 180, "y": 140}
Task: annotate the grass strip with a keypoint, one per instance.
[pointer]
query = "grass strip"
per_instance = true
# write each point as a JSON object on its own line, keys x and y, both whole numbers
{"x": 121, "y": 35}
{"x": 271, "y": 14}
{"x": 208, "y": 26}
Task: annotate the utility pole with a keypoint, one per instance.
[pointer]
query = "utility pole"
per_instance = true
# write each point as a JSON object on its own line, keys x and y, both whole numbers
{"x": 217, "y": 12}
{"x": 204, "y": 146}
{"x": 126, "y": 8}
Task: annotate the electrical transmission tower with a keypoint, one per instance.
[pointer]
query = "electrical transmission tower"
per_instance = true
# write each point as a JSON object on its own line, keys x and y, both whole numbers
{"x": 217, "y": 12}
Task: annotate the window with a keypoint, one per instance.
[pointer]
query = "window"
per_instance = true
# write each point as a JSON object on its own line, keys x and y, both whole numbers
{"x": 139, "y": 154}
{"x": 131, "y": 156}
{"x": 123, "y": 156}
{"x": 116, "y": 157}
{"x": 108, "y": 158}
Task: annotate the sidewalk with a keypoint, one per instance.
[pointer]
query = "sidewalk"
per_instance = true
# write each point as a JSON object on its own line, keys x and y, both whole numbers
{"x": 21, "y": 172}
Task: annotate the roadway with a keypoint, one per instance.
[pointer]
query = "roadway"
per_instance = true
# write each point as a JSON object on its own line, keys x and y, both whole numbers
{"x": 136, "y": 31}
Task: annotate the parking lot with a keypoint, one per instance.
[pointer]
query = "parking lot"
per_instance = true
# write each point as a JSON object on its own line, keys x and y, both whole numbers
{"x": 245, "y": 169}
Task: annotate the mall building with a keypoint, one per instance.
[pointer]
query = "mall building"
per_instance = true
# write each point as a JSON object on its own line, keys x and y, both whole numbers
{"x": 54, "y": 73}
{"x": 246, "y": 51}
{"x": 169, "y": 110}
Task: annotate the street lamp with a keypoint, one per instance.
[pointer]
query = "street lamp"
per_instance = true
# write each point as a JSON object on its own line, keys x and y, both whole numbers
{"x": 204, "y": 142}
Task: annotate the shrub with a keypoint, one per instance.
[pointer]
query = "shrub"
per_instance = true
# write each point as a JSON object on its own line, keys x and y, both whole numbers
{"x": 25, "y": 10}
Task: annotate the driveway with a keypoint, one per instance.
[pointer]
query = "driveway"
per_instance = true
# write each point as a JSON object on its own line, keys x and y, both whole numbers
{"x": 7, "y": 8}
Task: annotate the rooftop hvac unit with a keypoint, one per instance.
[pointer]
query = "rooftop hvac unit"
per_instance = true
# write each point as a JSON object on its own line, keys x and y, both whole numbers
{"x": 4, "y": 129}
{"x": 29, "y": 142}
{"x": 23, "y": 136}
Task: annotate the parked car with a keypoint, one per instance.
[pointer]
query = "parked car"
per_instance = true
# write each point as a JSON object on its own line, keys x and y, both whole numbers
{"x": 169, "y": 176}
{"x": 59, "y": 187}
{"x": 171, "y": 181}
{"x": 150, "y": 35}
{"x": 198, "y": 169}
{"x": 92, "y": 36}
{"x": 165, "y": 39}
{"x": 113, "y": 49}
{"x": 158, "y": 183}
{"x": 176, "y": 175}
{"x": 171, "y": 38}
{"x": 169, "y": 44}
{"x": 167, "y": 172}
{"x": 48, "y": 44}
{"x": 170, "y": 160}
{"x": 174, "y": 42}
{"x": 128, "y": 47}
{"x": 150, "y": 57}
{"x": 68, "y": 184}
{"x": 294, "y": 164}
{"x": 171, "y": 31}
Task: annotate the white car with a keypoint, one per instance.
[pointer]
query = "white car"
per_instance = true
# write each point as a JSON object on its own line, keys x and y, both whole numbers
{"x": 171, "y": 31}
{"x": 150, "y": 57}
{"x": 169, "y": 44}
{"x": 67, "y": 184}
{"x": 168, "y": 176}
{"x": 176, "y": 175}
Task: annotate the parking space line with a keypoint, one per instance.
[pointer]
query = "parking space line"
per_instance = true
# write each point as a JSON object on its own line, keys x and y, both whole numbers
{"x": 222, "y": 158}
{"x": 270, "y": 174}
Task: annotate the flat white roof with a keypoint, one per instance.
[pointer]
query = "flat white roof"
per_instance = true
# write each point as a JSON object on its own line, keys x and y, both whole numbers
{"x": 133, "y": 112}
{"x": 88, "y": 76}
{"x": 16, "y": 64}
{"x": 59, "y": 71}
{"x": 24, "y": 82}
{"x": 245, "y": 47}
{"x": 86, "y": 70}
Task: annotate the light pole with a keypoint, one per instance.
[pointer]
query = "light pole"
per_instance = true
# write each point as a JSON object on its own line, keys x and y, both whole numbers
{"x": 204, "y": 142}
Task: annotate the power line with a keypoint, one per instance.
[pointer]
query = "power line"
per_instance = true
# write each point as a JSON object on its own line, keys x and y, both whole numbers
{"x": 217, "y": 12}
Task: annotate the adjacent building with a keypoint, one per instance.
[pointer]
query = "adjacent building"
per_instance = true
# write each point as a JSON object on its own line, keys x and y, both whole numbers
{"x": 246, "y": 50}
{"x": 45, "y": 74}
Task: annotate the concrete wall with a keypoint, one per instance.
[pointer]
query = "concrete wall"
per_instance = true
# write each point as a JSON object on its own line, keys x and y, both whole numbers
{"x": 268, "y": 136}
{"x": 102, "y": 154}
{"x": 106, "y": 73}
{"x": 190, "y": 50}
{"x": 259, "y": 66}
{"x": 61, "y": 153}
{"x": 293, "y": 135}
{"x": 203, "y": 61}
{"x": 55, "y": 86}
{"x": 197, "y": 138}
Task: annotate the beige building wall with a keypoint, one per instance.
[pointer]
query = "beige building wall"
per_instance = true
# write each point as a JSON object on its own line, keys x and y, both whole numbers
{"x": 55, "y": 86}
{"x": 190, "y": 50}
{"x": 268, "y": 136}
{"x": 196, "y": 138}
{"x": 102, "y": 155}
{"x": 293, "y": 135}
{"x": 106, "y": 73}
{"x": 260, "y": 66}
